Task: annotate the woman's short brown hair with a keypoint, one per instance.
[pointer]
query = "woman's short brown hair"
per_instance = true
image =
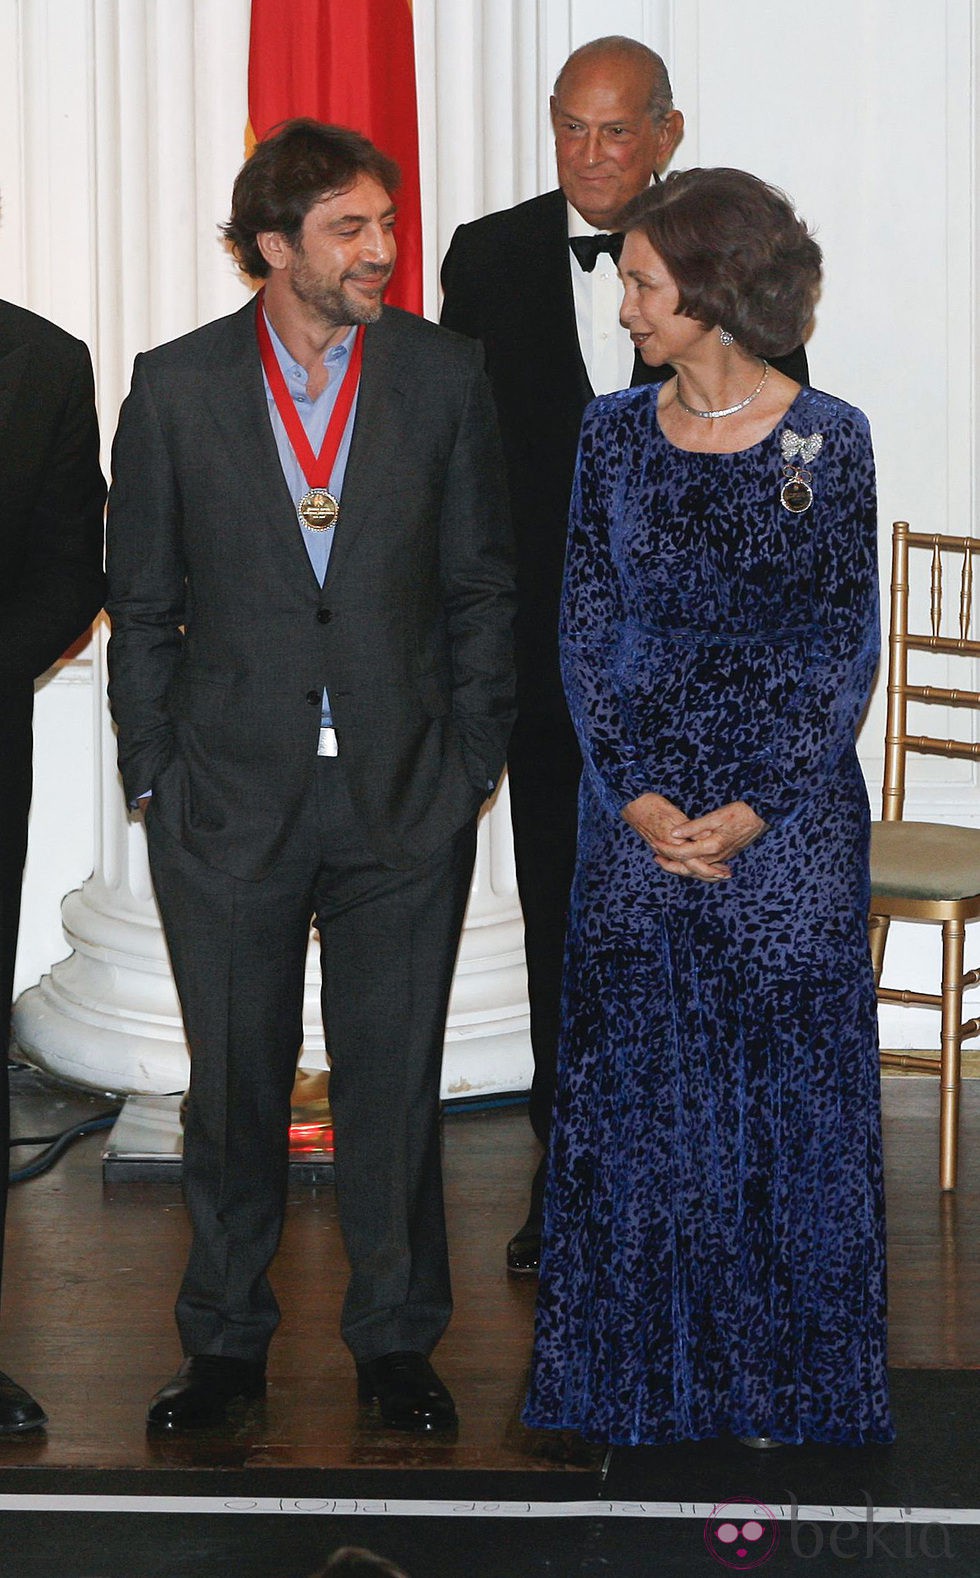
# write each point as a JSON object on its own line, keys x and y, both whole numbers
{"x": 299, "y": 162}
{"x": 737, "y": 253}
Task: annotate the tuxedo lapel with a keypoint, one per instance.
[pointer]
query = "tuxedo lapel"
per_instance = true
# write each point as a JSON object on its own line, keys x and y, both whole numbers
{"x": 549, "y": 285}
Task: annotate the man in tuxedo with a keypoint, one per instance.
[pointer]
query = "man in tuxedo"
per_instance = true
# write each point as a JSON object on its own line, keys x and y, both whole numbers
{"x": 52, "y": 496}
{"x": 537, "y": 284}
{"x": 311, "y": 593}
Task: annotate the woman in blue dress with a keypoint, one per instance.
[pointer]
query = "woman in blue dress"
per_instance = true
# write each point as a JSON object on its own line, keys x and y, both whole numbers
{"x": 714, "y": 1255}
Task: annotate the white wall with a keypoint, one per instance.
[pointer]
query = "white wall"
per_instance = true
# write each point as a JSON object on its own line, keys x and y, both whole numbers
{"x": 121, "y": 129}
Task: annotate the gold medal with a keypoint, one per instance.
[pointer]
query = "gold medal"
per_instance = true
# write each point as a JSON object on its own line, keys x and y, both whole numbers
{"x": 796, "y": 494}
{"x": 318, "y": 509}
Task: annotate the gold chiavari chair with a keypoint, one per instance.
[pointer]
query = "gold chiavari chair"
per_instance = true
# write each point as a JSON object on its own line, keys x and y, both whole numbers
{"x": 928, "y": 871}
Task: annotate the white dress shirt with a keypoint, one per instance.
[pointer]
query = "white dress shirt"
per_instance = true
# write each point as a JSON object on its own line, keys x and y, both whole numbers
{"x": 607, "y": 349}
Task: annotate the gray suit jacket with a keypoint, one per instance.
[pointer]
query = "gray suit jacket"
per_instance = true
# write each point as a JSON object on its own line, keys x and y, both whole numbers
{"x": 222, "y": 640}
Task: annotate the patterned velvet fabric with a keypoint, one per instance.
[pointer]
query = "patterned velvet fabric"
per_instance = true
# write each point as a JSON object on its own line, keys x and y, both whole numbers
{"x": 714, "y": 1226}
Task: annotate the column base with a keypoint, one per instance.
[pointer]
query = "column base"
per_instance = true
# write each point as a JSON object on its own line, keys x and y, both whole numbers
{"x": 108, "y": 1018}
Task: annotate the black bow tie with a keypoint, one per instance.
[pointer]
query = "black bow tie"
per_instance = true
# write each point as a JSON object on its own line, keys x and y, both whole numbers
{"x": 587, "y": 248}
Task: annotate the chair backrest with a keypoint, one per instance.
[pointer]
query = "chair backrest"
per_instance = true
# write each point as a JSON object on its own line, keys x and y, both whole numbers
{"x": 947, "y": 561}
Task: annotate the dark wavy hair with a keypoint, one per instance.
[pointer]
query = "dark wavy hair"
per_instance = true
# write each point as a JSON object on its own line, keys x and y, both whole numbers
{"x": 300, "y": 162}
{"x": 736, "y": 251}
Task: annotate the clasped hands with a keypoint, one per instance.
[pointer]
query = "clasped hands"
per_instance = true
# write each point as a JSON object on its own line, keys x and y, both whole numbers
{"x": 693, "y": 846}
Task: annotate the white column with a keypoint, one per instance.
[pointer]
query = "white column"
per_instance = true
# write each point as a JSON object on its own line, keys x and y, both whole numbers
{"x": 168, "y": 119}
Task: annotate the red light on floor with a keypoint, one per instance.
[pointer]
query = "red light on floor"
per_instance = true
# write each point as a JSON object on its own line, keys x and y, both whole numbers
{"x": 310, "y": 1137}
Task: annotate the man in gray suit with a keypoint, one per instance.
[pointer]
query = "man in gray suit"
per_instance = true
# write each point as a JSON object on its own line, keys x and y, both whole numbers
{"x": 310, "y": 669}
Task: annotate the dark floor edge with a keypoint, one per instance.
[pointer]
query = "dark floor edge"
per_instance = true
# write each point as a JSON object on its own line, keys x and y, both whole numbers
{"x": 411, "y": 1484}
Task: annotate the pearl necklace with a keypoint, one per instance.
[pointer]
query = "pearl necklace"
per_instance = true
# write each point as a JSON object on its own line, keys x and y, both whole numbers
{"x": 729, "y": 409}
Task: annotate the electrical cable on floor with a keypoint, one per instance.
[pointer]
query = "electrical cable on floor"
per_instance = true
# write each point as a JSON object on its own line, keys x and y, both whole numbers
{"x": 462, "y": 1106}
{"x": 57, "y": 1144}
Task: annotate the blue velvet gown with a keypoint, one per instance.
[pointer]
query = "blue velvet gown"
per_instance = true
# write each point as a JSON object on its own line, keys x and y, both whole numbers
{"x": 714, "y": 1254}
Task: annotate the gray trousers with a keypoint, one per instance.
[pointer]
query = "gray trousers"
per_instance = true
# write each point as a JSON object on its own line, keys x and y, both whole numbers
{"x": 388, "y": 942}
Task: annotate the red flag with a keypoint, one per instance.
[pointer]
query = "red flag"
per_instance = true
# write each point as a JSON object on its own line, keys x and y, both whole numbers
{"x": 350, "y": 62}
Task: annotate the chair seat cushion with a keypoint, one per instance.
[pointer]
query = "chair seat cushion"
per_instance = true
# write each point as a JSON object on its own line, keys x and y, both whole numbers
{"x": 925, "y": 860}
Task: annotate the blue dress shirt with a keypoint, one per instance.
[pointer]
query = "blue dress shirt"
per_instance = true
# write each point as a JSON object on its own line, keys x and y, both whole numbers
{"x": 315, "y": 416}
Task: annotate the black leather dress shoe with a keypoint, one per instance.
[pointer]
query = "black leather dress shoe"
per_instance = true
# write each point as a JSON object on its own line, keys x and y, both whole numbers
{"x": 409, "y": 1392}
{"x": 18, "y": 1410}
{"x": 524, "y": 1249}
{"x": 524, "y": 1253}
{"x": 203, "y": 1390}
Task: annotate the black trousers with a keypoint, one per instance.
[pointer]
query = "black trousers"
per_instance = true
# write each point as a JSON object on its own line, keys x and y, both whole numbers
{"x": 15, "y": 801}
{"x": 388, "y": 945}
{"x": 544, "y": 766}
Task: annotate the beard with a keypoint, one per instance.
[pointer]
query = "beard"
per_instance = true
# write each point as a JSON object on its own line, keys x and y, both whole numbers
{"x": 333, "y": 304}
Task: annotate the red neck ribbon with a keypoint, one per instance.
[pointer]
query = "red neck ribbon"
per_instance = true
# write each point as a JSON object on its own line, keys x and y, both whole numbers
{"x": 316, "y": 468}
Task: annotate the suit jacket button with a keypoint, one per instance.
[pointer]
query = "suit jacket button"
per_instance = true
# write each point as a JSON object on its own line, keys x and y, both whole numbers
{"x": 324, "y": 616}
{"x": 313, "y": 697}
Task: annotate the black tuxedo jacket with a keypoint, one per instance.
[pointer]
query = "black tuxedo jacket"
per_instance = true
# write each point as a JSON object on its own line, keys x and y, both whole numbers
{"x": 222, "y": 639}
{"x": 52, "y": 496}
{"x": 51, "y": 503}
{"x": 507, "y": 283}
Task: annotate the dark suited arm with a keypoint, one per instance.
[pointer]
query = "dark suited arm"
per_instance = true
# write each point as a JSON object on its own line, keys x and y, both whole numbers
{"x": 146, "y": 588}
{"x": 59, "y": 587}
{"x": 461, "y": 308}
{"x": 477, "y": 574}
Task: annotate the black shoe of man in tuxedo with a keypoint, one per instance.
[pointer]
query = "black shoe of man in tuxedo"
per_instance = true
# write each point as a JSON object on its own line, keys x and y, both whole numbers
{"x": 524, "y": 1249}
{"x": 18, "y": 1410}
{"x": 203, "y": 1390}
{"x": 410, "y": 1394}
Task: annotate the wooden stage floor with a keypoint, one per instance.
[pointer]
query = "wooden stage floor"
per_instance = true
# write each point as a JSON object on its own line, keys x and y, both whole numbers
{"x": 92, "y": 1272}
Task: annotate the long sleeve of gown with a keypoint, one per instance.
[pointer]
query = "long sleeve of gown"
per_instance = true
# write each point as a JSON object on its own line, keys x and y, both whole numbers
{"x": 591, "y": 625}
{"x": 808, "y": 736}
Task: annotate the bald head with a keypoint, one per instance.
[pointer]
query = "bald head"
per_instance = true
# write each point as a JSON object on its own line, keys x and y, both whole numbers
{"x": 622, "y": 54}
{"x": 614, "y": 124}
